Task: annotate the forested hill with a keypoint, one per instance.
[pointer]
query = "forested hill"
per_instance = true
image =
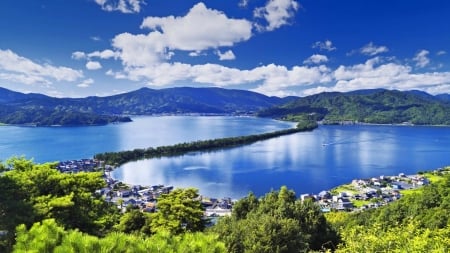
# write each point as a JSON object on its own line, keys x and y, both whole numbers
{"x": 183, "y": 100}
{"x": 368, "y": 106}
{"x": 38, "y": 109}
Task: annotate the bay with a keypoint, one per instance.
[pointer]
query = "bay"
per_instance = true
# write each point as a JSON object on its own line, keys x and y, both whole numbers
{"x": 306, "y": 162}
{"x": 45, "y": 144}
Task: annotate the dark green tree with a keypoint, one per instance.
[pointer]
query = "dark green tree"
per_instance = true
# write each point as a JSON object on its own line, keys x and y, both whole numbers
{"x": 133, "y": 221}
{"x": 178, "y": 211}
{"x": 33, "y": 192}
{"x": 277, "y": 222}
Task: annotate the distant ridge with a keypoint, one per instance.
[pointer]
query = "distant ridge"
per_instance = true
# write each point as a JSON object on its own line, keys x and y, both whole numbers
{"x": 377, "y": 106}
{"x": 38, "y": 109}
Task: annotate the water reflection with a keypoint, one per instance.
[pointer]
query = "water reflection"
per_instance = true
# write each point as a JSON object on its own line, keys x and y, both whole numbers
{"x": 67, "y": 143}
{"x": 300, "y": 161}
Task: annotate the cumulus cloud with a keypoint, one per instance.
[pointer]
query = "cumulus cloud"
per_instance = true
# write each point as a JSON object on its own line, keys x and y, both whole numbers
{"x": 325, "y": 45}
{"x": 196, "y": 53}
{"x": 316, "y": 59}
{"x": 371, "y": 49}
{"x": 271, "y": 78}
{"x": 422, "y": 59}
{"x": 180, "y": 33}
{"x": 228, "y": 55}
{"x": 441, "y": 52}
{"x": 375, "y": 73}
{"x": 124, "y": 6}
{"x": 276, "y": 13}
{"x": 93, "y": 65}
{"x": 78, "y": 55}
{"x": 105, "y": 54}
{"x": 19, "y": 69}
{"x": 148, "y": 58}
{"x": 183, "y": 33}
{"x": 86, "y": 83}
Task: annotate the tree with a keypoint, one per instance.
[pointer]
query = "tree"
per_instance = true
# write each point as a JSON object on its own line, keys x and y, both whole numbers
{"x": 178, "y": 211}
{"x": 133, "y": 221}
{"x": 48, "y": 236}
{"x": 277, "y": 222}
{"x": 38, "y": 191}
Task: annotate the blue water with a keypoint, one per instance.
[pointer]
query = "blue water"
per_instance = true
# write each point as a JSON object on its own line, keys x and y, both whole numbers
{"x": 306, "y": 162}
{"x": 46, "y": 144}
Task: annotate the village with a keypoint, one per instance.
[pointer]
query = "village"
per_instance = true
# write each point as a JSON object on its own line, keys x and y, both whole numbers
{"x": 359, "y": 195}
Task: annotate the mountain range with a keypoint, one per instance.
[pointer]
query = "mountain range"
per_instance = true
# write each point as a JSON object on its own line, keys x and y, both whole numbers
{"x": 377, "y": 106}
{"x": 370, "y": 106}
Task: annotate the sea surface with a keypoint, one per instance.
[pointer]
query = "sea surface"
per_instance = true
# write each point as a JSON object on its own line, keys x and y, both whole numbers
{"x": 306, "y": 162}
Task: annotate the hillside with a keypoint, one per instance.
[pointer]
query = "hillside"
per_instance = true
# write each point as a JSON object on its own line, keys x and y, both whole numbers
{"x": 368, "y": 106}
{"x": 182, "y": 100}
{"x": 38, "y": 109}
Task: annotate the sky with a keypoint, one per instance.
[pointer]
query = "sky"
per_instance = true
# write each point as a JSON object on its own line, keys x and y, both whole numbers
{"x": 82, "y": 48}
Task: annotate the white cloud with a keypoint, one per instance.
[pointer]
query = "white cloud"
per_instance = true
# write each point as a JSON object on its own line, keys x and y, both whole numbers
{"x": 86, "y": 83}
{"x": 422, "y": 59}
{"x": 228, "y": 55}
{"x": 124, "y": 6}
{"x": 243, "y": 3}
{"x": 326, "y": 45}
{"x": 272, "y": 78}
{"x": 147, "y": 58}
{"x": 375, "y": 73}
{"x": 276, "y": 13}
{"x": 105, "y": 54}
{"x": 78, "y": 55}
{"x": 16, "y": 68}
{"x": 316, "y": 59}
{"x": 372, "y": 50}
{"x": 184, "y": 33}
{"x": 441, "y": 52}
{"x": 169, "y": 34}
{"x": 93, "y": 65}
{"x": 196, "y": 53}
{"x": 96, "y": 38}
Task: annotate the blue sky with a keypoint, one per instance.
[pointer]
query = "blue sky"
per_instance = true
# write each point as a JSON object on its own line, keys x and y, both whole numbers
{"x": 81, "y": 48}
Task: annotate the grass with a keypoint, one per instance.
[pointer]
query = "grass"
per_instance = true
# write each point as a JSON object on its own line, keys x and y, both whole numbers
{"x": 360, "y": 203}
{"x": 409, "y": 191}
{"x": 344, "y": 188}
{"x": 433, "y": 177}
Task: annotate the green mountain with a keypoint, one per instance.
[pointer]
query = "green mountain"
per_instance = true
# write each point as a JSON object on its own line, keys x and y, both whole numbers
{"x": 377, "y": 106}
{"x": 366, "y": 106}
{"x": 38, "y": 109}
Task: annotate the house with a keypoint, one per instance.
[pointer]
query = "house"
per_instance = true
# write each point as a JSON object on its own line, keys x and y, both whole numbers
{"x": 396, "y": 186}
{"x": 344, "y": 204}
{"x": 324, "y": 195}
{"x": 306, "y": 196}
{"x": 124, "y": 193}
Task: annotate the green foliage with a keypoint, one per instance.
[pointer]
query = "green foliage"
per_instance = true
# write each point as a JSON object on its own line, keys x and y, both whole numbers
{"x": 32, "y": 192}
{"x": 429, "y": 206}
{"x": 418, "y": 222}
{"x": 178, "y": 212}
{"x": 37, "y": 116}
{"x": 48, "y": 236}
{"x": 277, "y": 222}
{"x": 134, "y": 221}
{"x": 403, "y": 238}
{"x": 376, "y": 106}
